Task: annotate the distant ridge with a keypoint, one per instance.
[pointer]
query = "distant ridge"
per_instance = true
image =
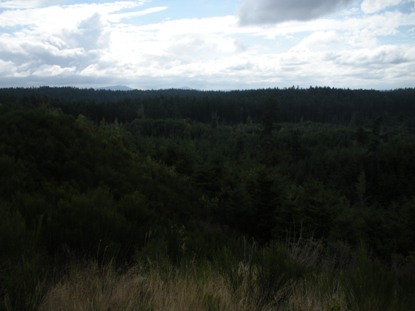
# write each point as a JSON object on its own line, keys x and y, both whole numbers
{"x": 116, "y": 88}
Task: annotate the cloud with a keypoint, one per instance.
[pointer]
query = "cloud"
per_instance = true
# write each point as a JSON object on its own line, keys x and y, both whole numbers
{"x": 23, "y": 4}
{"x": 89, "y": 35}
{"x": 320, "y": 40}
{"x": 6, "y": 68}
{"x": 50, "y": 40}
{"x": 115, "y": 18}
{"x": 378, "y": 58}
{"x": 37, "y": 15}
{"x": 68, "y": 51}
{"x": 373, "y": 6}
{"x": 276, "y": 11}
{"x": 98, "y": 43}
{"x": 52, "y": 70}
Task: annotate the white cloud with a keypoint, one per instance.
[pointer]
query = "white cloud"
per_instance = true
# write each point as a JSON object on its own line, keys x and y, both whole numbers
{"x": 92, "y": 70}
{"x": 372, "y": 6}
{"x": 23, "y": 4}
{"x": 52, "y": 70}
{"x": 63, "y": 39}
{"x": 56, "y": 17}
{"x": 320, "y": 40}
{"x": 115, "y": 18}
{"x": 277, "y": 11}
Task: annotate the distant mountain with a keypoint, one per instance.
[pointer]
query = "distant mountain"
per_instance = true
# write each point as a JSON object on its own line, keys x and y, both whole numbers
{"x": 116, "y": 88}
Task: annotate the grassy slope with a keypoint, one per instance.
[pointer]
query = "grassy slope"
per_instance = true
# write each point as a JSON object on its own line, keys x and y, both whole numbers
{"x": 300, "y": 276}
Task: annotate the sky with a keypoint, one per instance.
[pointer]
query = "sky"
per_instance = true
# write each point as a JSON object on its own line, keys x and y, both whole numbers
{"x": 208, "y": 44}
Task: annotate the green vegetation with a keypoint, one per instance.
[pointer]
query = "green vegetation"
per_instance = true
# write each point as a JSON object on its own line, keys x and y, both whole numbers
{"x": 183, "y": 200}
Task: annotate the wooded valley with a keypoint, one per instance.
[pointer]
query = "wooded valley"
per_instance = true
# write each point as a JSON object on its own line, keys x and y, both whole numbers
{"x": 285, "y": 199}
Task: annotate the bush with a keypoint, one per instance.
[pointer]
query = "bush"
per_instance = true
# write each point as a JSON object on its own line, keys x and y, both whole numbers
{"x": 89, "y": 224}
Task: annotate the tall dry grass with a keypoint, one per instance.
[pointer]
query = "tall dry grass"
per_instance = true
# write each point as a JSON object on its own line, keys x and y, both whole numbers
{"x": 271, "y": 279}
{"x": 274, "y": 278}
{"x": 93, "y": 288}
{"x": 318, "y": 293}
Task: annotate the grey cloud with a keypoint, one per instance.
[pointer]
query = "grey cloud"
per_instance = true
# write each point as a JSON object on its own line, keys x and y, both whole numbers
{"x": 380, "y": 58}
{"x": 241, "y": 67}
{"x": 90, "y": 34}
{"x": 34, "y": 55}
{"x": 276, "y": 11}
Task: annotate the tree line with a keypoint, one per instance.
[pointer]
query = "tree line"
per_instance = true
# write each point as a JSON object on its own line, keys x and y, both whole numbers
{"x": 315, "y": 104}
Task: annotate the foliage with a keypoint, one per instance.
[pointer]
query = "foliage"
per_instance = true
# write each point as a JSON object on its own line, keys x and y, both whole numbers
{"x": 220, "y": 183}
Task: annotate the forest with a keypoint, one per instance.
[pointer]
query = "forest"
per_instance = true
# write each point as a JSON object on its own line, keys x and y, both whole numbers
{"x": 270, "y": 199}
